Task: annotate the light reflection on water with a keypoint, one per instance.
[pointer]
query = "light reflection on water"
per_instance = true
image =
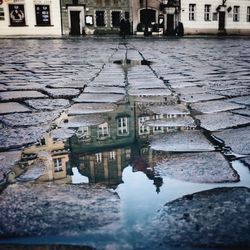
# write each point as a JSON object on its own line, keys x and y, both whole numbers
{"x": 77, "y": 178}
{"x": 140, "y": 201}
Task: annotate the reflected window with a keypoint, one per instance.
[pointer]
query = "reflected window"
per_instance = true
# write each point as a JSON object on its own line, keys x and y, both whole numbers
{"x": 112, "y": 155}
{"x": 103, "y": 130}
{"x": 158, "y": 117}
{"x": 128, "y": 153}
{"x": 142, "y": 128}
{"x": 83, "y": 132}
{"x": 158, "y": 129}
{"x": 98, "y": 157}
{"x": 58, "y": 164}
{"x": 122, "y": 126}
{"x": 171, "y": 116}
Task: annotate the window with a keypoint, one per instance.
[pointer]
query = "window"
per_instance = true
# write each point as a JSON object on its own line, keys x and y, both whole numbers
{"x": 158, "y": 128}
{"x": 248, "y": 14}
{"x": 215, "y": 16}
{"x": 57, "y": 165}
{"x": 207, "y": 12}
{"x": 112, "y": 155}
{"x": 42, "y": 15}
{"x": 236, "y": 13}
{"x": 116, "y": 17}
{"x": 100, "y": 21}
{"x": 103, "y": 130}
{"x": 98, "y": 157}
{"x": 127, "y": 15}
{"x": 141, "y": 3}
{"x": 1, "y": 14}
{"x": 122, "y": 126}
{"x": 192, "y": 12}
{"x": 83, "y": 132}
{"x": 107, "y": 3}
{"x": 115, "y": 2}
{"x": 143, "y": 129}
{"x": 17, "y": 15}
{"x": 99, "y": 2}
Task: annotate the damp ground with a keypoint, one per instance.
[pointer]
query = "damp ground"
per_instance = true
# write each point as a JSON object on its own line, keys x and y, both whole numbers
{"x": 98, "y": 136}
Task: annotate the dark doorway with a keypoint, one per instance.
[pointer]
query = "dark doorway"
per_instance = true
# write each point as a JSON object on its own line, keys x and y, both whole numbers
{"x": 147, "y": 16}
{"x": 170, "y": 24}
{"x": 75, "y": 22}
{"x": 222, "y": 21}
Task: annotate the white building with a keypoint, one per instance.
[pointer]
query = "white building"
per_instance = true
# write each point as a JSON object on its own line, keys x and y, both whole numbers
{"x": 30, "y": 18}
{"x": 216, "y": 16}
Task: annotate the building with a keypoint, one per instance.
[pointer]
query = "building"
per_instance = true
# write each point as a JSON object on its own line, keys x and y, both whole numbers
{"x": 30, "y": 17}
{"x": 154, "y": 16}
{"x": 93, "y": 16}
{"x": 216, "y": 16}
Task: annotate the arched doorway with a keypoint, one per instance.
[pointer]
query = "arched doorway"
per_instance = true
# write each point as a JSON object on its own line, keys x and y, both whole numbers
{"x": 147, "y": 16}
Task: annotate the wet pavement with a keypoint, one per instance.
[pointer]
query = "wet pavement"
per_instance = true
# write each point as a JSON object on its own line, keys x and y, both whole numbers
{"x": 107, "y": 131}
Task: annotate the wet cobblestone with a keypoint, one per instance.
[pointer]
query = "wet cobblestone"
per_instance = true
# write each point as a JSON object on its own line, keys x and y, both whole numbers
{"x": 165, "y": 85}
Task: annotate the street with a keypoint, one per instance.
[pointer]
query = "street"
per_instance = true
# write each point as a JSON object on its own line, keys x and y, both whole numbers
{"x": 127, "y": 125}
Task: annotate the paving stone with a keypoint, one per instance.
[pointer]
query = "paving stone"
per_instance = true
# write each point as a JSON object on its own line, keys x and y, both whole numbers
{"x": 104, "y": 89}
{"x": 238, "y": 139}
{"x": 182, "y": 141}
{"x": 17, "y": 137}
{"x": 222, "y": 120}
{"x": 205, "y": 167}
{"x": 20, "y": 95}
{"x": 12, "y": 107}
{"x": 28, "y": 119}
{"x": 191, "y": 98}
{"x": 241, "y": 100}
{"x": 26, "y": 213}
{"x": 7, "y": 162}
{"x": 177, "y": 109}
{"x": 100, "y": 97}
{"x": 48, "y": 104}
{"x": 90, "y": 108}
{"x": 211, "y": 218}
{"x": 185, "y": 122}
{"x": 215, "y": 106}
{"x": 62, "y": 93}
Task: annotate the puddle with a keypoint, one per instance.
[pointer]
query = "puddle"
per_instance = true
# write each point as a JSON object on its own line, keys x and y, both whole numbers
{"x": 133, "y": 62}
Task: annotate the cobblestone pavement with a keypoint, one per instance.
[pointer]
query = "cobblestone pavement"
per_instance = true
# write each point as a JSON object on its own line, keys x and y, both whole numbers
{"x": 40, "y": 78}
{"x": 203, "y": 84}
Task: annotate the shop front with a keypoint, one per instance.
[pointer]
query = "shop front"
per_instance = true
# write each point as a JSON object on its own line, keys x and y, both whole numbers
{"x": 30, "y": 18}
{"x": 151, "y": 17}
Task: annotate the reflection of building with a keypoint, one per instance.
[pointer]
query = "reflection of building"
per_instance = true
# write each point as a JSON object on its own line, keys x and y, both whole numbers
{"x": 93, "y": 16}
{"x": 117, "y": 129}
{"x": 53, "y": 154}
{"x": 30, "y": 18}
{"x": 105, "y": 166}
{"x": 157, "y": 113}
